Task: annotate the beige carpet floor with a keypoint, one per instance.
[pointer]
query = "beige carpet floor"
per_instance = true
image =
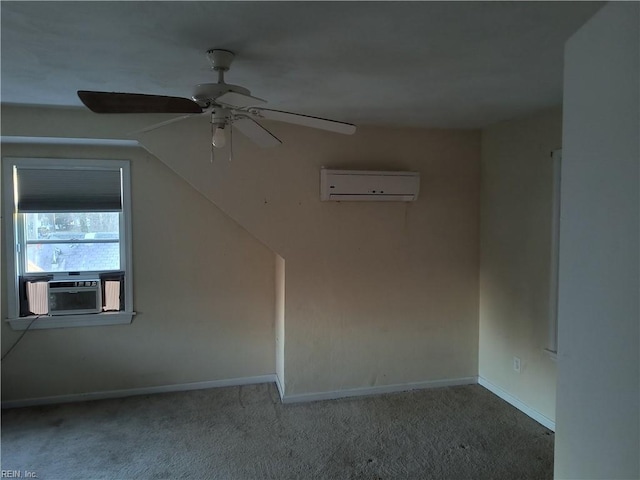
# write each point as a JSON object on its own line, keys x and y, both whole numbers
{"x": 246, "y": 433}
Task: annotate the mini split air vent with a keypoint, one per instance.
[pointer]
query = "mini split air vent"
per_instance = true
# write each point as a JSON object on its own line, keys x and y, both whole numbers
{"x": 360, "y": 185}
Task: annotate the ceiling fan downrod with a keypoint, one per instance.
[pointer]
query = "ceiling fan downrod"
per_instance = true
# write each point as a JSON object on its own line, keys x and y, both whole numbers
{"x": 220, "y": 61}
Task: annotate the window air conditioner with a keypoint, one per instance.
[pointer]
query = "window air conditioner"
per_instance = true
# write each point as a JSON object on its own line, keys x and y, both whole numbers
{"x": 74, "y": 297}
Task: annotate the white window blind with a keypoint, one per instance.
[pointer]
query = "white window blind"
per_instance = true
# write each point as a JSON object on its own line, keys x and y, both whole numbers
{"x": 70, "y": 189}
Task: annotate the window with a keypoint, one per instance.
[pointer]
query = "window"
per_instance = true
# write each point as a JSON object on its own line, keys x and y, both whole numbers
{"x": 67, "y": 228}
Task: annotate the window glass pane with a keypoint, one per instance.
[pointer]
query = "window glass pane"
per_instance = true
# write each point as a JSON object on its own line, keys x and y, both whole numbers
{"x": 72, "y": 226}
{"x": 64, "y": 242}
{"x": 72, "y": 257}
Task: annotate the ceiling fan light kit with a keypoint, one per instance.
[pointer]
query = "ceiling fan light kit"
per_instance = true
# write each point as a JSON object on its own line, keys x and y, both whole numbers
{"x": 219, "y": 139}
{"x": 227, "y": 104}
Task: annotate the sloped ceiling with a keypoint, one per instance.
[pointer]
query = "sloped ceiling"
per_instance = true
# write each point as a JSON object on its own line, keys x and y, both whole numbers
{"x": 426, "y": 64}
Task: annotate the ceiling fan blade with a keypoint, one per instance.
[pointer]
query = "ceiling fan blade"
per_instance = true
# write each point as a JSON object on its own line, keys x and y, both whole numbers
{"x": 112, "y": 102}
{"x": 238, "y": 100}
{"x": 256, "y": 132}
{"x": 162, "y": 124}
{"x": 306, "y": 120}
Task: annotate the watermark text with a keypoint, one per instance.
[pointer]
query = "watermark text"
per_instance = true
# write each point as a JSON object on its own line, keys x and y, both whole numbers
{"x": 18, "y": 474}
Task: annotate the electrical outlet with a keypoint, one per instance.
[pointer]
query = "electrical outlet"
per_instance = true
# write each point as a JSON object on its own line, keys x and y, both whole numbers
{"x": 516, "y": 364}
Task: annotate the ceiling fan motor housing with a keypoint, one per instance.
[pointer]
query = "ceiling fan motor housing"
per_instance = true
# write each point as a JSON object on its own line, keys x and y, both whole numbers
{"x": 205, "y": 94}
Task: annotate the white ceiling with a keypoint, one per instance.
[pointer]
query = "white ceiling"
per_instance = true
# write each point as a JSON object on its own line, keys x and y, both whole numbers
{"x": 430, "y": 64}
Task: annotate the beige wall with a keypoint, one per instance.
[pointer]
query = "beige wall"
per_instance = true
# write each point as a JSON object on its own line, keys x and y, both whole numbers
{"x": 203, "y": 290}
{"x": 515, "y": 257}
{"x": 376, "y": 293}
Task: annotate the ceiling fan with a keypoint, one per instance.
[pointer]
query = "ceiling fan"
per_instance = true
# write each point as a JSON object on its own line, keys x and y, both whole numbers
{"x": 229, "y": 106}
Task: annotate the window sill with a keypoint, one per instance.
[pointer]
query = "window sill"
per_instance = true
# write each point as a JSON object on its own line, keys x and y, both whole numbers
{"x": 552, "y": 355}
{"x": 65, "y": 321}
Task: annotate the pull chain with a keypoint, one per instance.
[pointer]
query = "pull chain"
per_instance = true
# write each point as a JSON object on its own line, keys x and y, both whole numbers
{"x": 212, "y": 142}
{"x": 230, "y": 141}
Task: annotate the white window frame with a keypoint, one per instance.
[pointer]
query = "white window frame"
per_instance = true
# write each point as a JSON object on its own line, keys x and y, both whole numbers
{"x": 11, "y": 237}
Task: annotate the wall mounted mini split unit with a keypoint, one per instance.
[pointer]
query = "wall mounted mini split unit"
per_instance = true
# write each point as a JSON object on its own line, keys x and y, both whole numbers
{"x": 362, "y": 185}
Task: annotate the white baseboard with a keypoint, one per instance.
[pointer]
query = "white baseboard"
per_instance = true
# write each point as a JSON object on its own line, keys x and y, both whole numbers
{"x": 304, "y": 397}
{"x": 377, "y": 390}
{"x": 523, "y": 407}
{"x": 83, "y": 397}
